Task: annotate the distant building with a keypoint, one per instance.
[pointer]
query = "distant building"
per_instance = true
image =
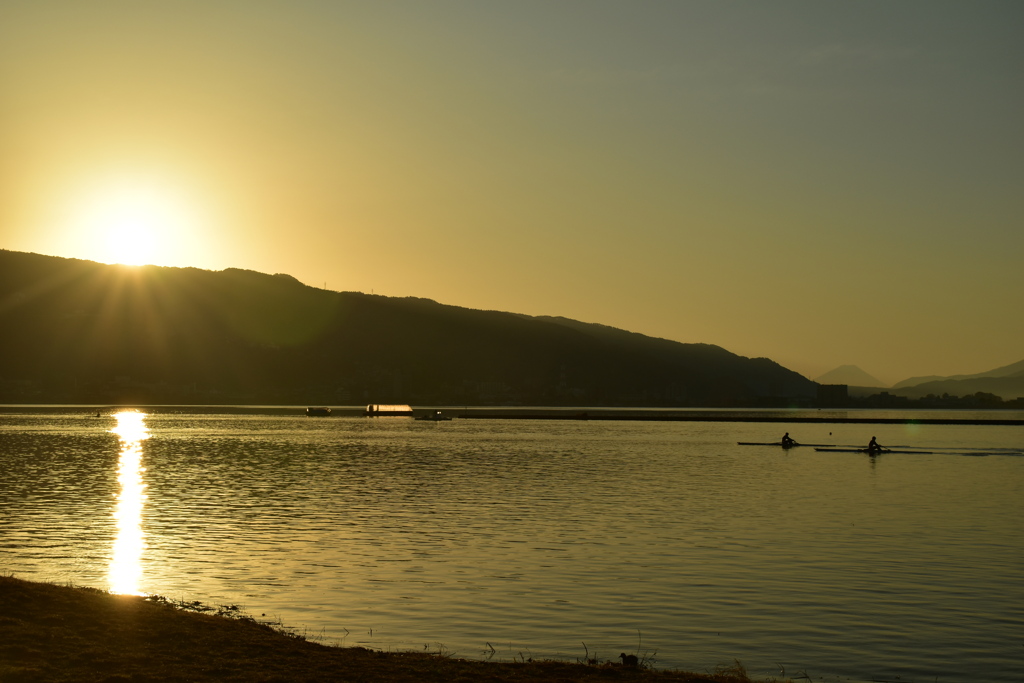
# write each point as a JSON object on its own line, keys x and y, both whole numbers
{"x": 833, "y": 395}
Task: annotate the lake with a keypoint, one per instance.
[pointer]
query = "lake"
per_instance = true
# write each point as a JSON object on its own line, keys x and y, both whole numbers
{"x": 509, "y": 539}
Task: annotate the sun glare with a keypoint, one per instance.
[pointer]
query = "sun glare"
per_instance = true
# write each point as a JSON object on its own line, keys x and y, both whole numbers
{"x": 131, "y": 235}
{"x": 132, "y": 223}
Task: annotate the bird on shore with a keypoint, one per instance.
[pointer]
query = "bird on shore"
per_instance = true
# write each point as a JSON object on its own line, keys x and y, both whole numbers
{"x": 628, "y": 660}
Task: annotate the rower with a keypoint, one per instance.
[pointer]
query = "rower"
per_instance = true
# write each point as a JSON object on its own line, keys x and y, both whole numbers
{"x": 874, "y": 446}
{"x": 787, "y": 442}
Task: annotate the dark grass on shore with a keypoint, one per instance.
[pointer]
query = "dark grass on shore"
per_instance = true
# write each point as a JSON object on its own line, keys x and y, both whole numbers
{"x": 64, "y": 633}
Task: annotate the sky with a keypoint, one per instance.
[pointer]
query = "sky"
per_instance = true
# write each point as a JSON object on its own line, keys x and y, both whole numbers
{"x": 819, "y": 183}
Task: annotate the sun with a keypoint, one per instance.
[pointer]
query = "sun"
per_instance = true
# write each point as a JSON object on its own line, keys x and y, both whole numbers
{"x": 131, "y": 232}
{"x": 132, "y": 222}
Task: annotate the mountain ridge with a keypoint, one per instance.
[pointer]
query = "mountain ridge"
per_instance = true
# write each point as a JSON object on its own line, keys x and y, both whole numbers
{"x": 81, "y": 330}
{"x": 1011, "y": 370}
{"x": 1006, "y": 381}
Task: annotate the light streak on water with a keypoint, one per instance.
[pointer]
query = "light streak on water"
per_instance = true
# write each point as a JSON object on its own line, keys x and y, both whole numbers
{"x": 126, "y": 563}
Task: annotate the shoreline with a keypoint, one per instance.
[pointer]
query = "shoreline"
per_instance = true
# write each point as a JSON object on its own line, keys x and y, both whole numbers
{"x": 67, "y": 633}
{"x": 643, "y": 417}
{"x": 998, "y": 417}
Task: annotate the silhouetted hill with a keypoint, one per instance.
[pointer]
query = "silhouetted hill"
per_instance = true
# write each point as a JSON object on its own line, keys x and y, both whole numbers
{"x": 1012, "y": 370}
{"x": 1007, "y": 382}
{"x": 1007, "y": 388}
{"x": 78, "y": 331}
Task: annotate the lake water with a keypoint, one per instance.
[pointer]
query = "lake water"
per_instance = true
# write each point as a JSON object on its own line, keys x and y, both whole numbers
{"x": 519, "y": 538}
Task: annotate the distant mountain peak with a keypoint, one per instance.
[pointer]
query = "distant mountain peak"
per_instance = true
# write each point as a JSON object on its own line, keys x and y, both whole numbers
{"x": 850, "y": 375}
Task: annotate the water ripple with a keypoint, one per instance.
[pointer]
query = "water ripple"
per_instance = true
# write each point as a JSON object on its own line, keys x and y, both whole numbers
{"x": 393, "y": 533}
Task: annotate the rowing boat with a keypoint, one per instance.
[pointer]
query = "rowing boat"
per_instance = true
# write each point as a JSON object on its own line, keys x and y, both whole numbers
{"x": 779, "y": 443}
{"x": 869, "y": 452}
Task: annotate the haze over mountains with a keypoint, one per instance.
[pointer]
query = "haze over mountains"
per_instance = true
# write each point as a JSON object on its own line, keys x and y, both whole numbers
{"x": 1007, "y": 382}
{"x": 1012, "y": 370}
{"x": 79, "y": 331}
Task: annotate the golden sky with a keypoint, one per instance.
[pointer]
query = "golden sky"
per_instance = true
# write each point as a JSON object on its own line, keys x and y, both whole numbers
{"x": 818, "y": 183}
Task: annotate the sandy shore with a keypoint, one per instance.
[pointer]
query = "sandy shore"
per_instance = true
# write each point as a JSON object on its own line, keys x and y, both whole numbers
{"x": 60, "y": 633}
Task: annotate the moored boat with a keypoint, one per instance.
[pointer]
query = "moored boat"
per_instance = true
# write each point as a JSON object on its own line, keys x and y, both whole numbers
{"x": 318, "y": 412}
{"x": 388, "y": 410}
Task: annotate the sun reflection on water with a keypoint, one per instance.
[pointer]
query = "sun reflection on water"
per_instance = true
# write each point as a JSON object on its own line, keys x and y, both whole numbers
{"x": 126, "y": 564}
